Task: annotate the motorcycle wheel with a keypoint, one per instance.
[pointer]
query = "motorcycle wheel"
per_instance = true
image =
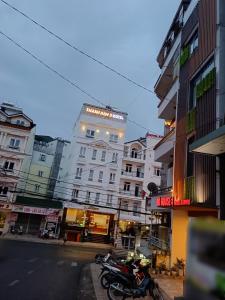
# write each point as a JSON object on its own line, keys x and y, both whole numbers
{"x": 116, "y": 291}
{"x": 105, "y": 280}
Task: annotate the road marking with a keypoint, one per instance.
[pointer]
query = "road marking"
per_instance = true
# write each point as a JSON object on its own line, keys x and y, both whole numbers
{"x": 14, "y": 282}
{"x": 74, "y": 264}
{"x": 32, "y": 260}
{"x": 30, "y": 272}
{"x": 60, "y": 263}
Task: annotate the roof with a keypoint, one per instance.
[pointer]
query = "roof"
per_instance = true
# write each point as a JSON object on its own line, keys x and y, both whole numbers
{"x": 43, "y": 138}
{"x": 38, "y": 202}
{"x": 141, "y": 140}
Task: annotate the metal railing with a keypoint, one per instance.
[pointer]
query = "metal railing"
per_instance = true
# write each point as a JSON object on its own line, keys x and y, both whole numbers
{"x": 136, "y": 174}
{"x": 158, "y": 243}
{"x": 130, "y": 193}
{"x": 134, "y": 155}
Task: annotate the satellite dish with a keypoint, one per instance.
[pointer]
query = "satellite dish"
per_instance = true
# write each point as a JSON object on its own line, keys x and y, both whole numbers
{"x": 152, "y": 187}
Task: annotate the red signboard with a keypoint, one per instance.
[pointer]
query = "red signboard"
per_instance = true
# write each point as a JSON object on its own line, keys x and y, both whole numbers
{"x": 170, "y": 202}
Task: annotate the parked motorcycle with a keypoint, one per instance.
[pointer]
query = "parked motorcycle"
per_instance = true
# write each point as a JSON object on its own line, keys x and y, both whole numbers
{"x": 16, "y": 229}
{"x": 110, "y": 271}
{"x": 126, "y": 286}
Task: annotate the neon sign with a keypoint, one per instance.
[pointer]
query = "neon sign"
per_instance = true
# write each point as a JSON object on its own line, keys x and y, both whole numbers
{"x": 104, "y": 113}
{"x": 170, "y": 202}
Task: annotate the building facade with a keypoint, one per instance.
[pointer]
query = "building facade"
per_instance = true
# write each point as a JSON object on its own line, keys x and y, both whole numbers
{"x": 191, "y": 61}
{"x": 90, "y": 173}
{"x": 138, "y": 170}
{"x": 16, "y": 136}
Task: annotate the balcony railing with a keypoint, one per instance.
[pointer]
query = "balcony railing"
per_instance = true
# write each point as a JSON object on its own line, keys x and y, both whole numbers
{"x": 134, "y": 155}
{"x": 130, "y": 193}
{"x": 133, "y": 174}
{"x": 158, "y": 243}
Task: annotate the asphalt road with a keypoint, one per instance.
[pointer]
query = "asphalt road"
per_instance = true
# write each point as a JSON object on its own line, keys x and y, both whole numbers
{"x": 31, "y": 271}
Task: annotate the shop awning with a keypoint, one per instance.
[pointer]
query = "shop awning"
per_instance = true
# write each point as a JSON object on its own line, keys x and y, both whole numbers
{"x": 212, "y": 143}
{"x": 38, "y": 202}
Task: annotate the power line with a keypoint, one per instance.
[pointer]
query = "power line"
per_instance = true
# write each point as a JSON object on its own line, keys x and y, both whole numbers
{"x": 53, "y": 70}
{"x": 74, "y": 84}
{"x": 60, "y": 38}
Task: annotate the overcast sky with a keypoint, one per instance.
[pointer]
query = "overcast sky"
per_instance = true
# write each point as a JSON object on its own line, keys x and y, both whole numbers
{"x": 124, "y": 34}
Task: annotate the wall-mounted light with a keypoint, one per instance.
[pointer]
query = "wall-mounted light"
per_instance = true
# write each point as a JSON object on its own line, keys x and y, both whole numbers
{"x": 107, "y": 132}
{"x": 120, "y": 135}
{"x": 97, "y": 130}
{"x": 83, "y": 128}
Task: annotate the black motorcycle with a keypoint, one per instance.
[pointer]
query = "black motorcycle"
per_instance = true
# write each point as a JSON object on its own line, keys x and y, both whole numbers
{"x": 124, "y": 286}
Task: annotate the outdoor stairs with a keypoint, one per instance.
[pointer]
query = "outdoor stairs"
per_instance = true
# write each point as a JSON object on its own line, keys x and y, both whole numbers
{"x": 97, "y": 238}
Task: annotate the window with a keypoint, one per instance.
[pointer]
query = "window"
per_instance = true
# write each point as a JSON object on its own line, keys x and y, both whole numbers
{"x": 124, "y": 205}
{"x": 103, "y": 155}
{"x": 88, "y": 196}
{"x": 195, "y": 83}
{"x": 3, "y": 191}
{"x": 112, "y": 178}
{"x": 128, "y": 168}
{"x": 9, "y": 166}
{"x": 113, "y": 138}
{"x": 109, "y": 200}
{"x": 90, "y": 133}
{"x": 14, "y": 143}
{"x": 134, "y": 153}
{"x": 37, "y": 188}
{"x": 42, "y": 157}
{"x": 40, "y": 173}
{"x": 94, "y": 154}
{"x": 97, "y": 197}
{"x": 156, "y": 171}
{"x": 82, "y": 151}
{"x": 19, "y": 122}
{"x": 193, "y": 44}
{"x": 126, "y": 186}
{"x": 91, "y": 175}
{"x": 78, "y": 173}
{"x": 136, "y": 209}
{"x": 100, "y": 177}
{"x": 115, "y": 157}
{"x": 75, "y": 193}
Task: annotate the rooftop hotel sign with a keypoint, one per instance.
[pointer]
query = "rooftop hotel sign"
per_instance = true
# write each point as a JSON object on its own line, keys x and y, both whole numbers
{"x": 104, "y": 113}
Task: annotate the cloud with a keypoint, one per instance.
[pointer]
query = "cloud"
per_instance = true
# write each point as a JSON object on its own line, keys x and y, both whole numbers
{"x": 124, "y": 34}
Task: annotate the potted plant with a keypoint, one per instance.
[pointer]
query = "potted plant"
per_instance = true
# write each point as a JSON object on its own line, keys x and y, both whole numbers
{"x": 180, "y": 266}
{"x": 162, "y": 268}
{"x": 174, "y": 270}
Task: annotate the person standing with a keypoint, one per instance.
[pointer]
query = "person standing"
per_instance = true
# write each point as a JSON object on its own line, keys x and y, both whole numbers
{"x": 65, "y": 238}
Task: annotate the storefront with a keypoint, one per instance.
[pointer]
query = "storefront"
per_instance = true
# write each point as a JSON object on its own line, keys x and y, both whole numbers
{"x": 88, "y": 225}
{"x": 35, "y": 215}
{"x": 5, "y": 210}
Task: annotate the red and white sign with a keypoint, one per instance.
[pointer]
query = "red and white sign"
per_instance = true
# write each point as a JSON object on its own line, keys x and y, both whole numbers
{"x": 5, "y": 206}
{"x": 13, "y": 217}
{"x": 52, "y": 218}
{"x": 35, "y": 210}
{"x": 170, "y": 202}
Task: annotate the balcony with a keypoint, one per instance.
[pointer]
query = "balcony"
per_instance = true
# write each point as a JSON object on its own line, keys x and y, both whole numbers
{"x": 132, "y": 175}
{"x": 213, "y": 143}
{"x": 167, "y": 107}
{"x": 158, "y": 243}
{"x": 130, "y": 194}
{"x": 134, "y": 157}
{"x": 164, "y": 149}
{"x": 130, "y": 216}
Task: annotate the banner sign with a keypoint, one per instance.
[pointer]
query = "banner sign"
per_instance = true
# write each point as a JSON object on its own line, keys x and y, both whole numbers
{"x": 170, "y": 202}
{"x": 35, "y": 210}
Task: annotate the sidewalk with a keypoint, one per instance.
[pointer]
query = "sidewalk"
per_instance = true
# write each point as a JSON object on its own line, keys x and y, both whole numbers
{"x": 101, "y": 294}
{"x": 34, "y": 239}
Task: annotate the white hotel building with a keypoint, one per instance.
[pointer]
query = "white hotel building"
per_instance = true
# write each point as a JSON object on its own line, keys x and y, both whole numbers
{"x": 100, "y": 173}
{"x": 90, "y": 172}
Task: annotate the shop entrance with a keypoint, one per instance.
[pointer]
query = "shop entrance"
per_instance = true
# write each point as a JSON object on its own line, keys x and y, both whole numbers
{"x": 31, "y": 223}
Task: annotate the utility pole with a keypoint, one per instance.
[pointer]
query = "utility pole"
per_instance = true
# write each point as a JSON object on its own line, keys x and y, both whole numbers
{"x": 118, "y": 219}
